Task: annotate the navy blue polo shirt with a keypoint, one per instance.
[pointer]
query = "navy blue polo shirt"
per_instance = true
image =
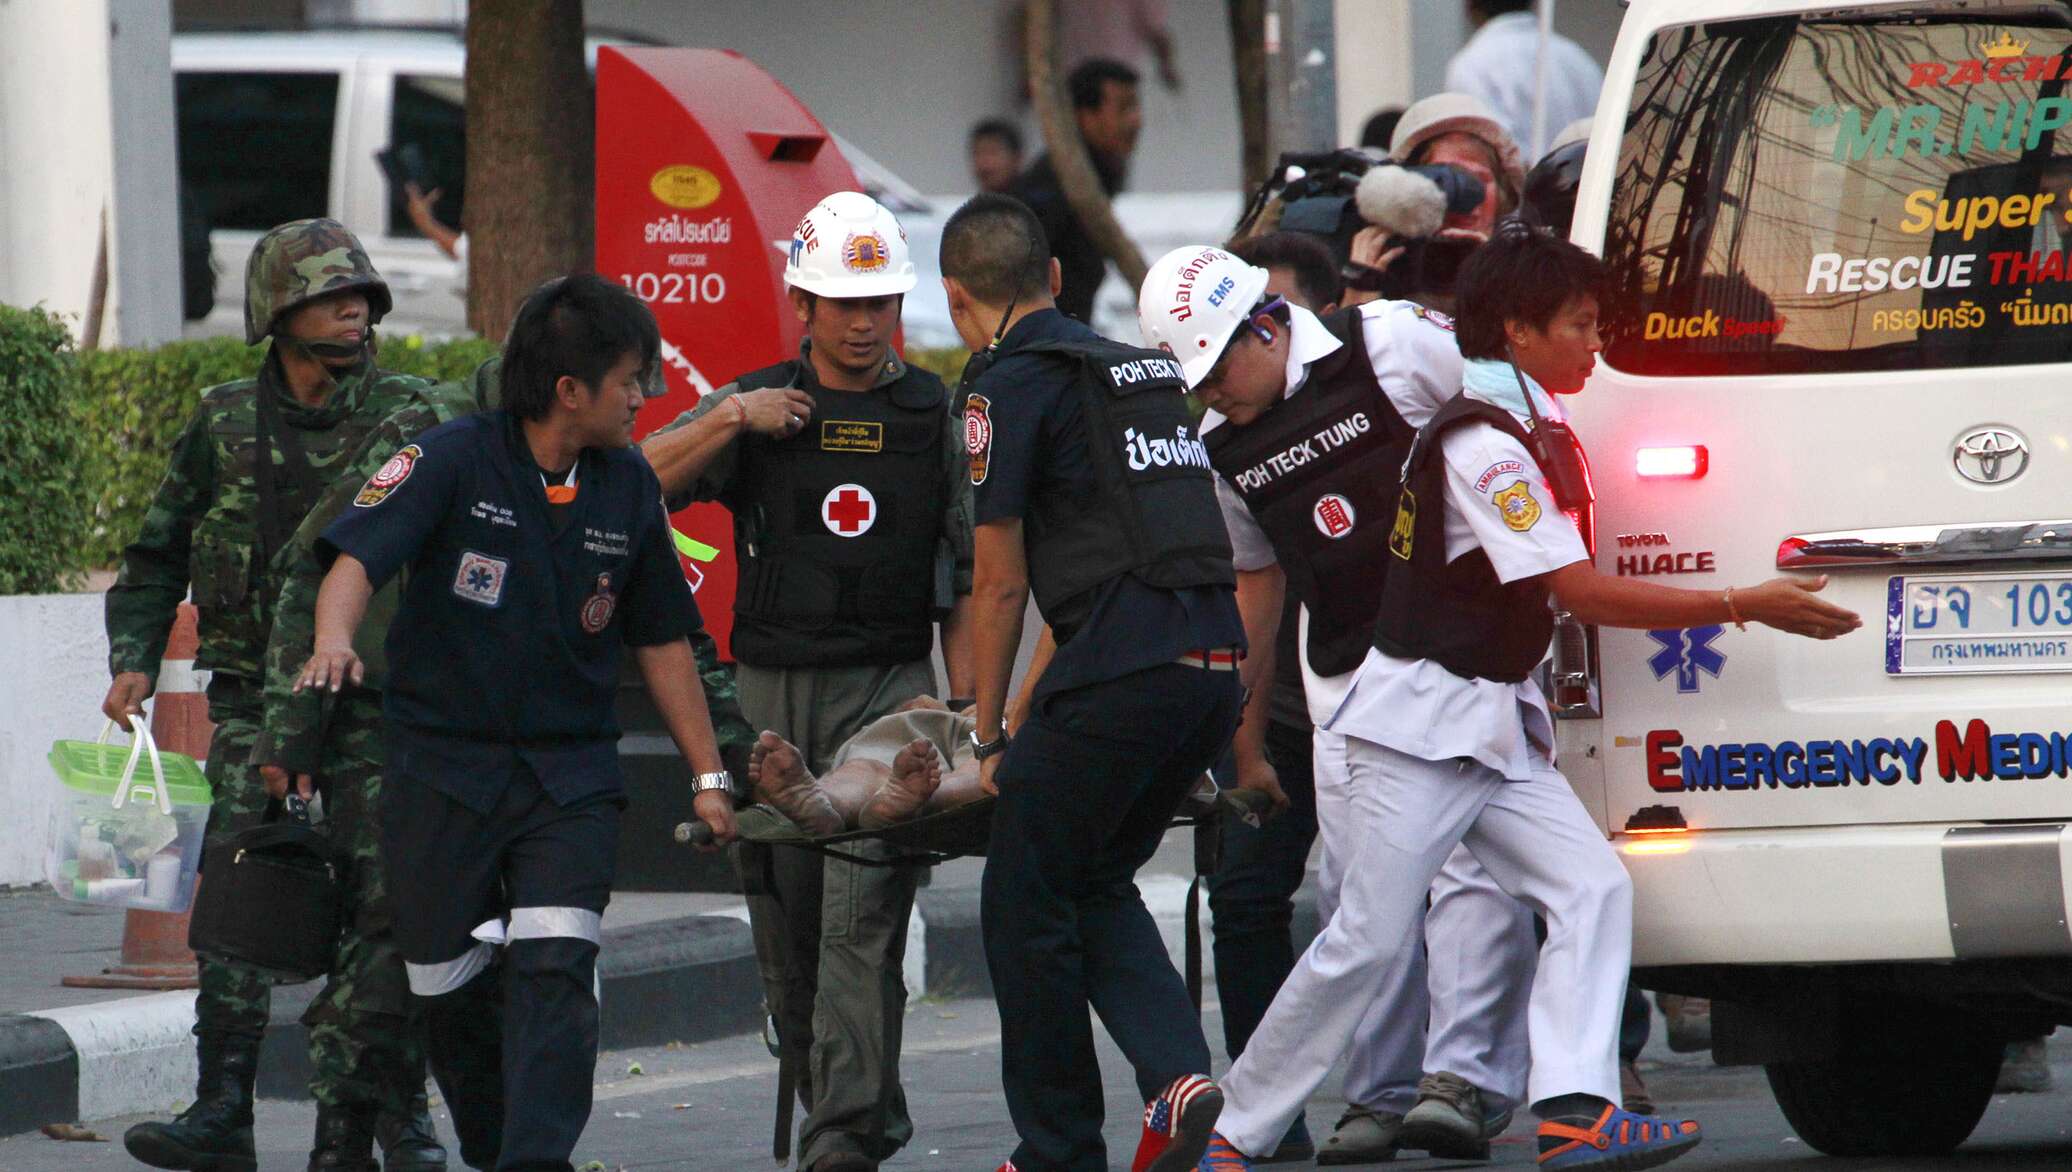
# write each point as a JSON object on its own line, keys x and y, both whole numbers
{"x": 1039, "y": 448}
{"x": 507, "y": 646}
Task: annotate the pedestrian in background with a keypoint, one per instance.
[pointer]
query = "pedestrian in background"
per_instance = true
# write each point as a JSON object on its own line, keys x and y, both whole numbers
{"x": 996, "y": 155}
{"x": 243, "y": 474}
{"x": 1108, "y": 115}
{"x": 1501, "y": 63}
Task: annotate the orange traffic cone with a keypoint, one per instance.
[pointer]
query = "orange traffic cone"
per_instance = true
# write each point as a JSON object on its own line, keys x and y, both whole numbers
{"x": 154, "y": 944}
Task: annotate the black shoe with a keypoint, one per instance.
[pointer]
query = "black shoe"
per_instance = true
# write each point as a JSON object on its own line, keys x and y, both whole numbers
{"x": 345, "y": 1140}
{"x": 215, "y": 1133}
{"x": 410, "y": 1143}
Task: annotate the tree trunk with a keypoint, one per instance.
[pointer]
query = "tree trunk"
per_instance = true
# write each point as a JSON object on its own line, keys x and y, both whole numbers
{"x": 1248, "y": 56}
{"x": 531, "y": 138}
{"x": 1082, "y": 187}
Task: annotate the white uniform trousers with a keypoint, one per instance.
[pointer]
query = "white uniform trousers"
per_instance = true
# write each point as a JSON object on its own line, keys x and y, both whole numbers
{"x": 1474, "y": 991}
{"x": 1404, "y": 819}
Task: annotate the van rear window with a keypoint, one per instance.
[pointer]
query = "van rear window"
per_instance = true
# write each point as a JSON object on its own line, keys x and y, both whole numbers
{"x": 1847, "y": 191}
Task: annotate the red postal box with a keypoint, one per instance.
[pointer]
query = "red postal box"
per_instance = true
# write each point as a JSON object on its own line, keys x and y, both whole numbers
{"x": 705, "y": 163}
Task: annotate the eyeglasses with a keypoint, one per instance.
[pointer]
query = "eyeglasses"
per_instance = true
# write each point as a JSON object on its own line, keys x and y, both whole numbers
{"x": 1269, "y": 307}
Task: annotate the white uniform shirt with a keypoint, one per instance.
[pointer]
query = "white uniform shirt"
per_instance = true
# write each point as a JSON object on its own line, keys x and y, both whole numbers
{"x": 1496, "y": 65}
{"x": 1497, "y": 500}
{"x": 1418, "y": 365}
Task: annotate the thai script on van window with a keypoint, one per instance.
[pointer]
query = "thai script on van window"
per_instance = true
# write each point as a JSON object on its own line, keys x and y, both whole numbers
{"x": 1920, "y": 130}
{"x": 1970, "y": 753}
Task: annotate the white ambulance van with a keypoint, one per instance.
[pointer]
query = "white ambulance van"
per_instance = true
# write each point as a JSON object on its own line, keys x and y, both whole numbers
{"x": 1840, "y": 342}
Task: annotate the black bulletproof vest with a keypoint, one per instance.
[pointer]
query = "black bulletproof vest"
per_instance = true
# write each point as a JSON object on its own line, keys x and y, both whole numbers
{"x": 1318, "y": 472}
{"x": 1457, "y": 614}
{"x": 837, "y": 527}
{"x": 1151, "y": 511}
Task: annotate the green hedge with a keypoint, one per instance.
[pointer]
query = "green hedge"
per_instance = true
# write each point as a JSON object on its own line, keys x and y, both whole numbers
{"x": 131, "y": 405}
{"x": 44, "y": 510}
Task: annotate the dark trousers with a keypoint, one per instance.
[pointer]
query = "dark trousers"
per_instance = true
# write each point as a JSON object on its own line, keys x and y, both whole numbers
{"x": 1087, "y": 790}
{"x": 1252, "y": 893}
{"x": 533, "y": 1017}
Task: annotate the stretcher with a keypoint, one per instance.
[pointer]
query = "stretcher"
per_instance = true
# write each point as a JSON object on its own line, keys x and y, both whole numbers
{"x": 965, "y": 830}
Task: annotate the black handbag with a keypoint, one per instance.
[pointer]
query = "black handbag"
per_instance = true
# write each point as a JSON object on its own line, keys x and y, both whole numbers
{"x": 271, "y": 899}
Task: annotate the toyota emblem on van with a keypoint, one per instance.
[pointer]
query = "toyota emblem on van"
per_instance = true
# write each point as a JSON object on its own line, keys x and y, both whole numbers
{"x": 1991, "y": 455}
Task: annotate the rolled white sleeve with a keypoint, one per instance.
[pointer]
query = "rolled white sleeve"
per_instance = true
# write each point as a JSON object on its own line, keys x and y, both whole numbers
{"x": 1496, "y": 488}
{"x": 1415, "y": 356}
{"x": 1249, "y": 548}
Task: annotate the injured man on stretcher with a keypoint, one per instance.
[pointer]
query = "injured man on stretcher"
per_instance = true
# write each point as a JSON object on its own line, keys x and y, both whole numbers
{"x": 907, "y": 765}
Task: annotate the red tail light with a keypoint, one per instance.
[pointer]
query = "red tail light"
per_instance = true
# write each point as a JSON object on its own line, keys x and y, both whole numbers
{"x": 1687, "y": 462}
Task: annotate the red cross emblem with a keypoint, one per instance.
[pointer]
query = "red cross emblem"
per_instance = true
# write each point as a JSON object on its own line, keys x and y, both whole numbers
{"x": 849, "y": 510}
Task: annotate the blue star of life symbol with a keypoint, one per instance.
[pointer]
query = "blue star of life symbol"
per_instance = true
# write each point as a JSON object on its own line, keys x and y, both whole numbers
{"x": 1687, "y": 652}
{"x": 480, "y": 578}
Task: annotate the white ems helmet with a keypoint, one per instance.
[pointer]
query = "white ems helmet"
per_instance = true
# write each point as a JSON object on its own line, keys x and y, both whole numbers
{"x": 1193, "y": 300}
{"x": 849, "y": 246}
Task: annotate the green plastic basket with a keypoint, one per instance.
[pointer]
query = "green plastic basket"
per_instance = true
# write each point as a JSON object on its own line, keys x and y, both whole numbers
{"x": 97, "y": 767}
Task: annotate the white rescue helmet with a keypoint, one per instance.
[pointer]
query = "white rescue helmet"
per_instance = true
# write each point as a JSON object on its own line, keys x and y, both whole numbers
{"x": 848, "y": 245}
{"x": 1193, "y": 301}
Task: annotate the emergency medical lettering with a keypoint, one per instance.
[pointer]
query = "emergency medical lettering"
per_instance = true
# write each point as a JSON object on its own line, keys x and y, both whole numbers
{"x": 1144, "y": 369}
{"x": 1967, "y": 753}
{"x": 1896, "y": 132}
{"x": 1334, "y": 435}
{"x": 1144, "y": 452}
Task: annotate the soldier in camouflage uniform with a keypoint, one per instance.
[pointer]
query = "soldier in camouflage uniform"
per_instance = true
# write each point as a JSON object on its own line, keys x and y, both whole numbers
{"x": 339, "y": 737}
{"x": 243, "y": 473}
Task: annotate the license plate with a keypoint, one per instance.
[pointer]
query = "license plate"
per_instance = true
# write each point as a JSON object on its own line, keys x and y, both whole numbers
{"x": 1978, "y": 624}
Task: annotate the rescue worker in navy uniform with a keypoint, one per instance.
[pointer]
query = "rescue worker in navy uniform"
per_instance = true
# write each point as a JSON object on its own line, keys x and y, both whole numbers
{"x": 852, "y": 520}
{"x": 1094, "y": 493}
{"x": 1308, "y": 423}
{"x": 1450, "y": 742}
{"x": 537, "y": 551}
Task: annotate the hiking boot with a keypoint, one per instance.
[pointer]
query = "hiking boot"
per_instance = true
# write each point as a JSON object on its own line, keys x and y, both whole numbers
{"x": 345, "y": 1140}
{"x": 1449, "y": 1120}
{"x": 410, "y": 1143}
{"x": 214, "y": 1134}
{"x": 1363, "y": 1136}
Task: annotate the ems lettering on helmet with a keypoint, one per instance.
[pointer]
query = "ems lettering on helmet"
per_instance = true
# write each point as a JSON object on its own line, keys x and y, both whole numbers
{"x": 1520, "y": 511}
{"x": 978, "y": 436}
{"x": 1221, "y": 291}
{"x": 1334, "y": 515}
{"x": 1145, "y": 453}
{"x": 386, "y": 479}
{"x": 848, "y": 510}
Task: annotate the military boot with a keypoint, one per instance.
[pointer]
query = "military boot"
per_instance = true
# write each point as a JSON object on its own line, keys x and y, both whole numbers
{"x": 215, "y": 1133}
{"x": 410, "y": 1143}
{"x": 345, "y": 1140}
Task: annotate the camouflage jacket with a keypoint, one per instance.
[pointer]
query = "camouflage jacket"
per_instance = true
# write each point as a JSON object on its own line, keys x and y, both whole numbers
{"x": 292, "y": 734}
{"x": 204, "y": 530}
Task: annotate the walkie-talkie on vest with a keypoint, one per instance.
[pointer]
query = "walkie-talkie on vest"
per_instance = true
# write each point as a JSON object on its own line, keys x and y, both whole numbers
{"x": 1560, "y": 456}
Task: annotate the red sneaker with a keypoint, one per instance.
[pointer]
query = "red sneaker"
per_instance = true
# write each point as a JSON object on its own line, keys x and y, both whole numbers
{"x": 1178, "y": 1124}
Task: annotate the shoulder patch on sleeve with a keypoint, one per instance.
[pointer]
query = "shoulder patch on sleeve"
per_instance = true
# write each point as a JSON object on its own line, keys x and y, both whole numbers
{"x": 978, "y": 436}
{"x": 1433, "y": 317}
{"x": 388, "y": 477}
{"x": 1520, "y": 511}
{"x": 1500, "y": 468}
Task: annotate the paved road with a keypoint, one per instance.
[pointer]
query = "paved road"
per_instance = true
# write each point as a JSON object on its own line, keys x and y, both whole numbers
{"x": 708, "y": 1107}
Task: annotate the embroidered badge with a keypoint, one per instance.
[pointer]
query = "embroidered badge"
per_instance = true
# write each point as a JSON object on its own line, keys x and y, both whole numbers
{"x": 1520, "y": 511}
{"x": 1433, "y": 316}
{"x": 480, "y": 578}
{"x": 844, "y": 435}
{"x": 1334, "y": 516}
{"x": 865, "y": 252}
{"x": 978, "y": 436}
{"x": 597, "y": 609}
{"x": 1495, "y": 470}
{"x": 849, "y": 510}
{"x": 1404, "y": 533}
{"x": 387, "y": 477}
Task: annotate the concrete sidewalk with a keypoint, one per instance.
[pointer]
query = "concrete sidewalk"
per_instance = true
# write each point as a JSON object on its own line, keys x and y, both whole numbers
{"x": 674, "y": 967}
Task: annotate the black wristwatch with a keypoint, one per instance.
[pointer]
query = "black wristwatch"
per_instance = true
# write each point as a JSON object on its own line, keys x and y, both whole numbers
{"x": 980, "y": 750}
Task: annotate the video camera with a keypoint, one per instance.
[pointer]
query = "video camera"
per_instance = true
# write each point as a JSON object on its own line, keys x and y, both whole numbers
{"x": 1334, "y": 194}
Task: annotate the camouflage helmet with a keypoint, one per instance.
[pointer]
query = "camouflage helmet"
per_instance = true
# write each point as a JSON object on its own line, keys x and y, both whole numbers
{"x": 303, "y": 260}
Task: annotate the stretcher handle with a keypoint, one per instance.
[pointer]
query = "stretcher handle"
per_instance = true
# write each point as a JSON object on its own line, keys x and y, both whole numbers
{"x": 694, "y": 834}
{"x": 140, "y": 744}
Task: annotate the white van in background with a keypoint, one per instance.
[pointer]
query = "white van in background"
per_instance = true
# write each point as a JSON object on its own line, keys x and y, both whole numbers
{"x": 1838, "y": 343}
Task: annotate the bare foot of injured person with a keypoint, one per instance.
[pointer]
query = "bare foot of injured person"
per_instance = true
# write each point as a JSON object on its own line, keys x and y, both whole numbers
{"x": 782, "y": 783}
{"x": 915, "y": 776}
